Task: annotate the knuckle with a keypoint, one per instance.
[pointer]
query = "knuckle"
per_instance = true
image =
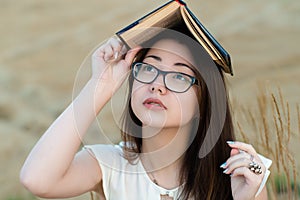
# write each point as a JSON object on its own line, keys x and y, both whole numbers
{"x": 246, "y": 160}
{"x": 249, "y": 146}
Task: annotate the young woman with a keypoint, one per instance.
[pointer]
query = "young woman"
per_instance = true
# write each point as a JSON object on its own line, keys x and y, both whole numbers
{"x": 172, "y": 147}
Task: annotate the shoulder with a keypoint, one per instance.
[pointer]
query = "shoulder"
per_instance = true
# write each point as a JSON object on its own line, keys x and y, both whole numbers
{"x": 103, "y": 149}
{"x": 112, "y": 157}
{"x": 105, "y": 153}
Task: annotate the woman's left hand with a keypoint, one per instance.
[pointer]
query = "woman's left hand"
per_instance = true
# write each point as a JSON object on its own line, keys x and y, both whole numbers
{"x": 244, "y": 182}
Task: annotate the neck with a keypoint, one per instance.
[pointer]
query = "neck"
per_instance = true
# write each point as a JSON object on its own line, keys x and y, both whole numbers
{"x": 156, "y": 139}
{"x": 162, "y": 153}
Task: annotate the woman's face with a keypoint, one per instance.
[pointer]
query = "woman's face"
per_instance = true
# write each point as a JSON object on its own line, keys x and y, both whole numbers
{"x": 155, "y": 105}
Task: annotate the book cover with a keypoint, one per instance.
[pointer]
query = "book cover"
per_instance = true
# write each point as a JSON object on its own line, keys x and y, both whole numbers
{"x": 168, "y": 16}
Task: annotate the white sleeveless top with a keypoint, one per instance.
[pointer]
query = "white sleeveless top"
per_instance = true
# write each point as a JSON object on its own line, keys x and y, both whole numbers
{"x": 122, "y": 180}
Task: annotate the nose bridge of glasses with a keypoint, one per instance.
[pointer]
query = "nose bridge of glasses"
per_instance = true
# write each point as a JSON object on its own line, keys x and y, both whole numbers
{"x": 160, "y": 78}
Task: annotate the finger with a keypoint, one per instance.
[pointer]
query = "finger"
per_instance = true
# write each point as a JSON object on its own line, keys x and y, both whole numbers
{"x": 251, "y": 178}
{"x": 108, "y": 53}
{"x": 241, "y": 161}
{"x": 131, "y": 54}
{"x": 116, "y": 44}
{"x": 235, "y": 161}
{"x": 109, "y": 50}
{"x": 99, "y": 52}
{"x": 242, "y": 171}
{"x": 235, "y": 154}
{"x": 124, "y": 49}
{"x": 244, "y": 147}
{"x": 249, "y": 182}
{"x": 122, "y": 53}
{"x": 118, "y": 47}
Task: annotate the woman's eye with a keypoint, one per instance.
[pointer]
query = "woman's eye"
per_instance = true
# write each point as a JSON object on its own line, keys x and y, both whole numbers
{"x": 148, "y": 68}
{"x": 180, "y": 77}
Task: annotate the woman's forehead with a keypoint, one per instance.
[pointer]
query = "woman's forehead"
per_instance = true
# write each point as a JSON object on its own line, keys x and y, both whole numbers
{"x": 170, "y": 52}
{"x": 174, "y": 47}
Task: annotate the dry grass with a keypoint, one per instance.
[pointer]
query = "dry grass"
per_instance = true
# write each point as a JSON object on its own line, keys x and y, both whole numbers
{"x": 273, "y": 124}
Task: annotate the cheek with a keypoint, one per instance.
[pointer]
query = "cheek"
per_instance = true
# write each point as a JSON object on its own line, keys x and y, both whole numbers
{"x": 134, "y": 95}
{"x": 137, "y": 94}
{"x": 190, "y": 110}
{"x": 193, "y": 102}
{"x": 137, "y": 86}
{"x": 186, "y": 107}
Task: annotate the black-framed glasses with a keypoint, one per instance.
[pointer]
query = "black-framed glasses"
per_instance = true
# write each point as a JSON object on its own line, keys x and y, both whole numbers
{"x": 174, "y": 81}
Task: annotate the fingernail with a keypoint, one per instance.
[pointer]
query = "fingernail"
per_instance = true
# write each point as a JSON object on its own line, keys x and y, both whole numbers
{"x": 225, "y": 171}
{"x": 116, "y": 55}
{"x": 230, "y": 142}
{"x": 223, "y": 165}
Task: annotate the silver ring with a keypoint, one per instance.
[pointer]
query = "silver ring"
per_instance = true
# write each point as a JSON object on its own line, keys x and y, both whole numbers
{"x": 255, "y": 168}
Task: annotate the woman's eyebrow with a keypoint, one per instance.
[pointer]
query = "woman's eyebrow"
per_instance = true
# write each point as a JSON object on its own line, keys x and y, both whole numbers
{"x": 175, "y": 64}
{"x": 154, "y": 57}
{"x": 183, "y": 64}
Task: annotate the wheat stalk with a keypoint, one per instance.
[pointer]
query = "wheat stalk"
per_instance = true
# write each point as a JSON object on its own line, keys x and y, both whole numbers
{"x": 256, "y": 130}
{"x": 278, "y": 114}
{"x": 294, "y": 171}
{"x": 244, "y": 137}
{"x": 281, "y": 101}
{"x": 278, "y": 130}
{"x": 262, "y": 103}
{"x": 288, "y": 122}
{"x": 277, "y": 149}
{"x": 283, "y": 151}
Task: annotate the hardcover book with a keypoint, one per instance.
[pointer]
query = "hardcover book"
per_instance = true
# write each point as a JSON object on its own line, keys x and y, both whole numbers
{"x": 167, "y": 16}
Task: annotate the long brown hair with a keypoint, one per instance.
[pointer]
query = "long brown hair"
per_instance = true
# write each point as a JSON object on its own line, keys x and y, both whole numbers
{"x": 202, "y": 177}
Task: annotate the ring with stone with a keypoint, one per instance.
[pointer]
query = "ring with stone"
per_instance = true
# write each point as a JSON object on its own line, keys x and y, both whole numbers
{"x": 255, "y": 168}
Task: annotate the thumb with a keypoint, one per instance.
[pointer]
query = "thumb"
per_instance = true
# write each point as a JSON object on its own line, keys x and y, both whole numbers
{"x": 234, "y": 151}
{"x": 131, "y": 54}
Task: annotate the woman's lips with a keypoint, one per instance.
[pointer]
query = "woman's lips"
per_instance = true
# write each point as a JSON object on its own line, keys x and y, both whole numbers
{"x": 152, "y": 103}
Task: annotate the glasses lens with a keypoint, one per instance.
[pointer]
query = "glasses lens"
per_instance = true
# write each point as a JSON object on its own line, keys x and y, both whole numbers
{"x": 144, "y": 72}
{"x": 178, "y": 82}
{"x": 174, "y": 81}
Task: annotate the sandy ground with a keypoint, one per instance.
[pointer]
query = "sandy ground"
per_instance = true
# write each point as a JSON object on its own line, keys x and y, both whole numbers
{"x": 43, "y": 44}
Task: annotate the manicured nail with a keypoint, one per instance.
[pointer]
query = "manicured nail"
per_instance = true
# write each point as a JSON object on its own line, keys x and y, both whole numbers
{"x": 116, "y": 55}
{"x": 225, "y": 171}
{"x": 223, "y": 165}
{"x": 230, "y": 142}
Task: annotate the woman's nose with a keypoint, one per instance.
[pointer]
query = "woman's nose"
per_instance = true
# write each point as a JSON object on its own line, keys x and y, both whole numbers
{"x": 158, "y": 85}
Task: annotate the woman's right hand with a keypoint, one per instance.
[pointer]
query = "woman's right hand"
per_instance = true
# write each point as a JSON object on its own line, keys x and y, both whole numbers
{"x": 111, "y": 62}
{"x": 63, "y": 166}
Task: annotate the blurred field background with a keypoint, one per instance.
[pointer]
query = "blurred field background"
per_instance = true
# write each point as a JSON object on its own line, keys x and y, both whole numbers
{"x": 44, "y": 42}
